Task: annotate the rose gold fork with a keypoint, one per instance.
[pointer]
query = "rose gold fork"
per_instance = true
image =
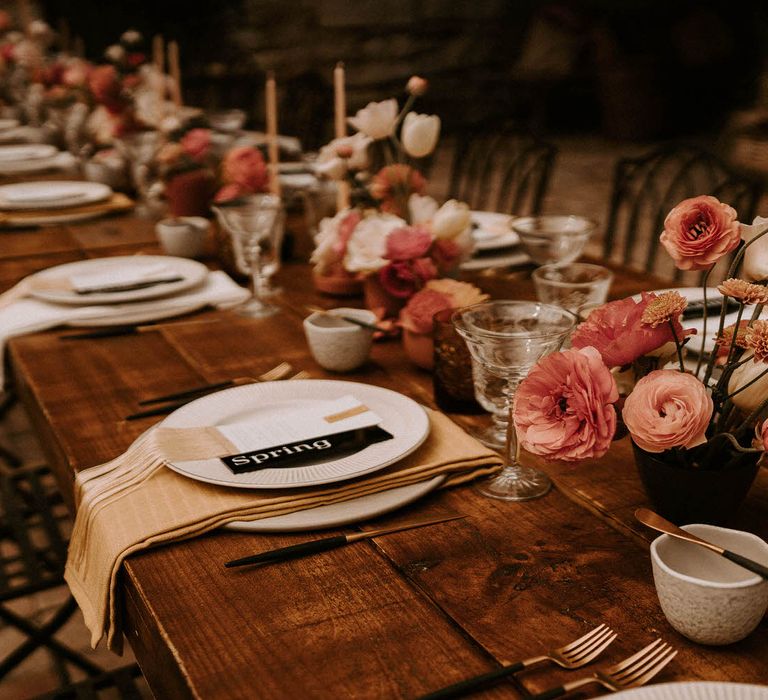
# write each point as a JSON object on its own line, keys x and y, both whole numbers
{"x": 637, "y": 670}
{"x": 574, "y": 655}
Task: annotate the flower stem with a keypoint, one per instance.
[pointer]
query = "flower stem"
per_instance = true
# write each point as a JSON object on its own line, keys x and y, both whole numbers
{"x": 748, "y": 384}
{"x": 735, "y": 333}
{"x": 704, "y": 280}
{"x": 678, "y": 347}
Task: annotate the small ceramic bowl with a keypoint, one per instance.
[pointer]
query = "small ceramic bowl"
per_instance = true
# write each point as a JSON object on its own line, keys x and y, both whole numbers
{"x": 704, "y": 596}
{"x": 183, "y": 236}
{"x": 336, "y": 344}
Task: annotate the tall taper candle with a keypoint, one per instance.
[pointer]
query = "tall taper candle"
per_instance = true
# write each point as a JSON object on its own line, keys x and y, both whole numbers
{"x": 271, "y": 105}
{"x": 340, "y": 123}
{"x": 158, "y": 52}
{"x": 174, "y": 69}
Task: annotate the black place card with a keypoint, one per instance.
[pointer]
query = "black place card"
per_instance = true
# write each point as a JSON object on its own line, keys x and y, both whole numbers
{"x": 294, "y": 454}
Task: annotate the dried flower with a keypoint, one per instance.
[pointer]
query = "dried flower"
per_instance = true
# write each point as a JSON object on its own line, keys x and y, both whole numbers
{"x": 725, "y": 338}
{"x": 756, "y": 340}
{"x": 461, "y": 293}
{"x": 395, "y": 183}
{"x": 745, "y": 292}
{"x": 665, "y": 307}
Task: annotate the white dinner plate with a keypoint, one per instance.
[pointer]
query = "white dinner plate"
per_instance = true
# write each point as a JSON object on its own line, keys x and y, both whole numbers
{"x": 354, "y": 510}
{"x": 26, "y": 151}
{"x": 492, "y": 230}
{"x": 6, "y": 124}
{"x": 405, "y": 419}
{"x": 191, "y": 272}
{"x": 46, "y": 194}
{"x": 60, "y": 161}
{"x": 696, "y": 690}
{"x": 512, "y": 258}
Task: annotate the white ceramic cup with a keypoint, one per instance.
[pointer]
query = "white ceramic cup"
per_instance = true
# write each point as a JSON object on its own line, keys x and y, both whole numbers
{"x": 336, "y": 344}
{"x": 183, "y": 236}
{"x": 704, "y": 596}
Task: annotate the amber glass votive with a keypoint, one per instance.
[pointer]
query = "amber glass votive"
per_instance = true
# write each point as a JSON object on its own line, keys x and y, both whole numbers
{"x": 452, "y": 373}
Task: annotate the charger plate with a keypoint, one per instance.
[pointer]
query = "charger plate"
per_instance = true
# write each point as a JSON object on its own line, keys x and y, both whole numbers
{"x": 191, "y": 272}
{"x": 696, "y": 691}
{"x": 46, "y": 194}
{"x": 405, "y": 419}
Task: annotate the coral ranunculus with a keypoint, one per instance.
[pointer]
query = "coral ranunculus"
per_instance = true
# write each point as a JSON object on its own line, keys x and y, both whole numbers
{"x": 408, "y": 242}
{"x": 699, "y": 231}
{"x": 418, "y": 312}
{"x": 245, "y": 166}
{"x": 617, "y": 331}
{"x": 564, "y": 407}
{"x": 668, "y": 409}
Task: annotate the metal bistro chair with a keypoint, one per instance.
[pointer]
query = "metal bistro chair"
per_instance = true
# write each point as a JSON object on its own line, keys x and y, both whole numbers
{"x": 507, "y": 172}
{"x": 646, "y": 188}
{"x": 34, "y": 525}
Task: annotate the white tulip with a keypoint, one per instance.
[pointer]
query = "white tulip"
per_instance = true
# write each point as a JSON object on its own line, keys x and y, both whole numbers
{"x": 422, "y": 208}
{"x": 419, "y": 134}
{"x": 329, "y": 164}
{"x": 451, "y": 220}
{"x": 376, "y": 119}
{"x": 751, "y": 397}
{"x": 755, "y": 264}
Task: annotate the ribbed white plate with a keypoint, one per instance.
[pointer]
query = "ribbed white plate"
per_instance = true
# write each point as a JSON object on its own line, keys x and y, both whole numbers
{"x": 191, "y": 272}
{"x": 405, "y": 419}
{"x": 47, "y": 194}
{"x": 354, "y": 510}
{"x": 696, "y": 691}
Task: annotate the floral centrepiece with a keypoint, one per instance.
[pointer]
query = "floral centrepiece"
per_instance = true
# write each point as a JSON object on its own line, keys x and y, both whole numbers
{"x": 392, "y": 235}
{"x": 704, "y": 416}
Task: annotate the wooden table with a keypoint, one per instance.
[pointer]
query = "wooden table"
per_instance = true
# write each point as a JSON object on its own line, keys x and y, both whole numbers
{"x": 388, "y": 618}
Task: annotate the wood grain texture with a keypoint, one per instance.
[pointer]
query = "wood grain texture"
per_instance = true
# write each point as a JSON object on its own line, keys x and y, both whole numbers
{"x": 389, "y": 618}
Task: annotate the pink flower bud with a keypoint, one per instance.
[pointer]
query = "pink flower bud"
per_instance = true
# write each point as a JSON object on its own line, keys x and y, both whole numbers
{"x": 344, "y": 151}
{"x": 416, "y": 86}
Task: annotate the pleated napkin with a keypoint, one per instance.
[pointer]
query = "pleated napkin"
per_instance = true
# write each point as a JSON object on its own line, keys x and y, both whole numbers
{"x": 134, "y": 502}
{"x": 20, "y": 315}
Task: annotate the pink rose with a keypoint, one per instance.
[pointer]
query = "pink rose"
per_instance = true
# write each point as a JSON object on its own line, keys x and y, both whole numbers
{"x": 408, "y": 242}
{"x": 668, "y": 409}
{"x": 245, "y": 166}
{"x": 700, "y": 231}
{"x": 564, "y": 407}
{"x": 617, "y": 332}
{"x": 403, "y": 278}
{"x": 417, "y": 314}
{"x": 196, "y": 143}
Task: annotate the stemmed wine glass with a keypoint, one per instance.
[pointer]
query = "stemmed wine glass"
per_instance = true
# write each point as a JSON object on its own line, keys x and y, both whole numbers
{"x": 506, "y": 338}
{"x": 256, "y": 225}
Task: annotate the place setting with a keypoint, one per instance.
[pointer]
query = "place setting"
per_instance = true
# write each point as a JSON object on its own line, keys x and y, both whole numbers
{"x": 33, "y": 158}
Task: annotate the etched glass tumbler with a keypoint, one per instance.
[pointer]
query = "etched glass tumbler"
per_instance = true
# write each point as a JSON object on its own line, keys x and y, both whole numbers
{"x": 507, "y": 338}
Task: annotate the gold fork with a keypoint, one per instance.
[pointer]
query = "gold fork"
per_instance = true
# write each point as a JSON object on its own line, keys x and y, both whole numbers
{"x": 637, "y": 670}
{"x": 574, "y": 655}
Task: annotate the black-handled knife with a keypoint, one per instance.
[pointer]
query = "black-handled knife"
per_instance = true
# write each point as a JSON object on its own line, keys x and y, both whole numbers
{"x": 296, "y": 551}
{"x": 695, "y": 308}
{"x": 111, "y": 289}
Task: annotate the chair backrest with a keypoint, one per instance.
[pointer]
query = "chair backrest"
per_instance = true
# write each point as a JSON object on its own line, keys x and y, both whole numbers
{"x": 506, "y": 172}
{"x": 646, "y": 188}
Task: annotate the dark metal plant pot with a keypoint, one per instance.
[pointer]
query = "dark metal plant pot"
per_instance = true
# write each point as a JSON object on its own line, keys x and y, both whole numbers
{"x": 696, "y": 495}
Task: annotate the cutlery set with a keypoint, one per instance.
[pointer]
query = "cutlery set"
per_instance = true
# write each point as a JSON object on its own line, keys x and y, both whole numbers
{"x": 632, "y": 672}
{"x": 178, "y": 399}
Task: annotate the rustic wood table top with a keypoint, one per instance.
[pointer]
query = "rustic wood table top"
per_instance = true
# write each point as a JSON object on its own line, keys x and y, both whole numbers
{"x": 392, "y": 617}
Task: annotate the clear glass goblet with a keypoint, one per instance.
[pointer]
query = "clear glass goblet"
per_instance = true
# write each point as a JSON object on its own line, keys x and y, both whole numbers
{"x": 507, "y": 338}
{"x": 256, "y": 226}
{"x": 553, "y": 239}
{"x": 491, "y": 394}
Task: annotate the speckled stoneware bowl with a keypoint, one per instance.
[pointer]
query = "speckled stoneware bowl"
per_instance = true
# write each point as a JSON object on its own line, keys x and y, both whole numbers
{"x": 336, "y": 344}
{"x": 704, "y": 596}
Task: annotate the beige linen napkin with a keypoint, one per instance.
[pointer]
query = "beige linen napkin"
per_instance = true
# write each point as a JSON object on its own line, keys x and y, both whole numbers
{"x": 132, "y": 503}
